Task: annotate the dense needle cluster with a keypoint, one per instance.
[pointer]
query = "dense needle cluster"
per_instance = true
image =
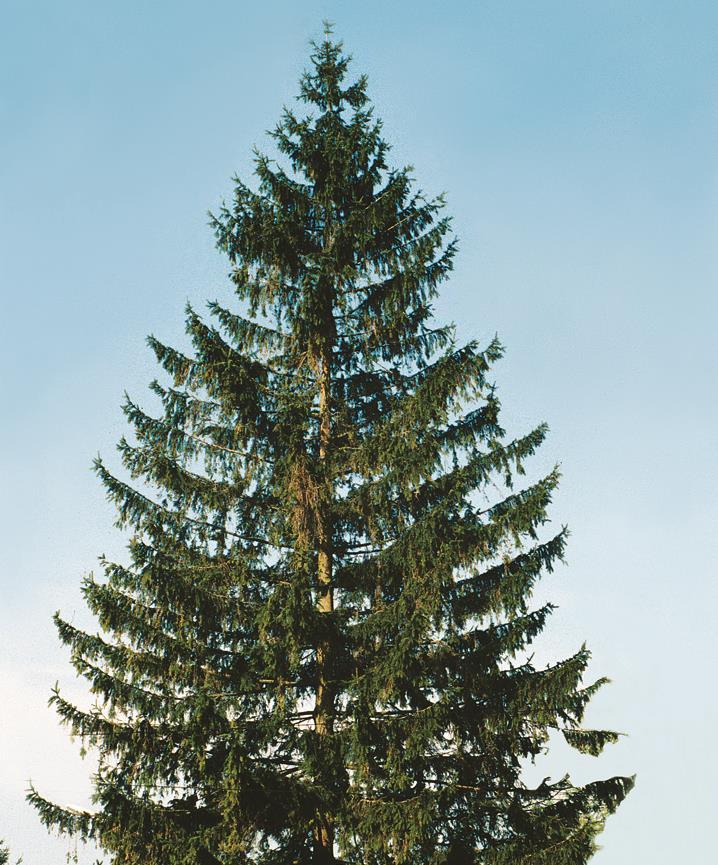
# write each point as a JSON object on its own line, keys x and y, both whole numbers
{"x": 317, "y": 651}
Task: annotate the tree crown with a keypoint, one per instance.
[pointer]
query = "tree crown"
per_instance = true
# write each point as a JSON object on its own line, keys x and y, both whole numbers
{"x": 318, "y": 650}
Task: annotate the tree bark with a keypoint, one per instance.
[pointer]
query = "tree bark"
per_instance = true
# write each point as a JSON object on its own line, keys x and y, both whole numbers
{"x": 324, "y": 706}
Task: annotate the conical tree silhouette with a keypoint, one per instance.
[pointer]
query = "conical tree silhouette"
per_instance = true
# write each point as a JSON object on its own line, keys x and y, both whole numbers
{"x": 317, "y": 652}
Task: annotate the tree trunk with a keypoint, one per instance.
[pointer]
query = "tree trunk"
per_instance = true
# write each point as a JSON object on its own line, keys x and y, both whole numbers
{"x": 324, "y": 706}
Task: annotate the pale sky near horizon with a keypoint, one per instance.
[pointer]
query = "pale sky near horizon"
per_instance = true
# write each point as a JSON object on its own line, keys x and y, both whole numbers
{"x": 576, "y": 143}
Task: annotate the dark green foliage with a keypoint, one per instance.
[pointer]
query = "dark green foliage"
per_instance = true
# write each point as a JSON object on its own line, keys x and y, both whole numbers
{"x": 5, "y": 855}
{"x": 319, "y": 648}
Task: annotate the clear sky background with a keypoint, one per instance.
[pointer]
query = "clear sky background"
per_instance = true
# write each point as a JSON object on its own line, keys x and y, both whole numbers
{"x": 576, "y": 142}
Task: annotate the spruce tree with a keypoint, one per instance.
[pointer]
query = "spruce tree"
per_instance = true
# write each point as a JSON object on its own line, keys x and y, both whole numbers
{"x": 318, "y": 651}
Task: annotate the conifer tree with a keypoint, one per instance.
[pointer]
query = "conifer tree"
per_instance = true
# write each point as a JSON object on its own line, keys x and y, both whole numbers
{"x": 318, "y": 650}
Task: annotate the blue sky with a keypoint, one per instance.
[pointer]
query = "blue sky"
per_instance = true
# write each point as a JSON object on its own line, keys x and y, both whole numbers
{"x": 576, "y": 143}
